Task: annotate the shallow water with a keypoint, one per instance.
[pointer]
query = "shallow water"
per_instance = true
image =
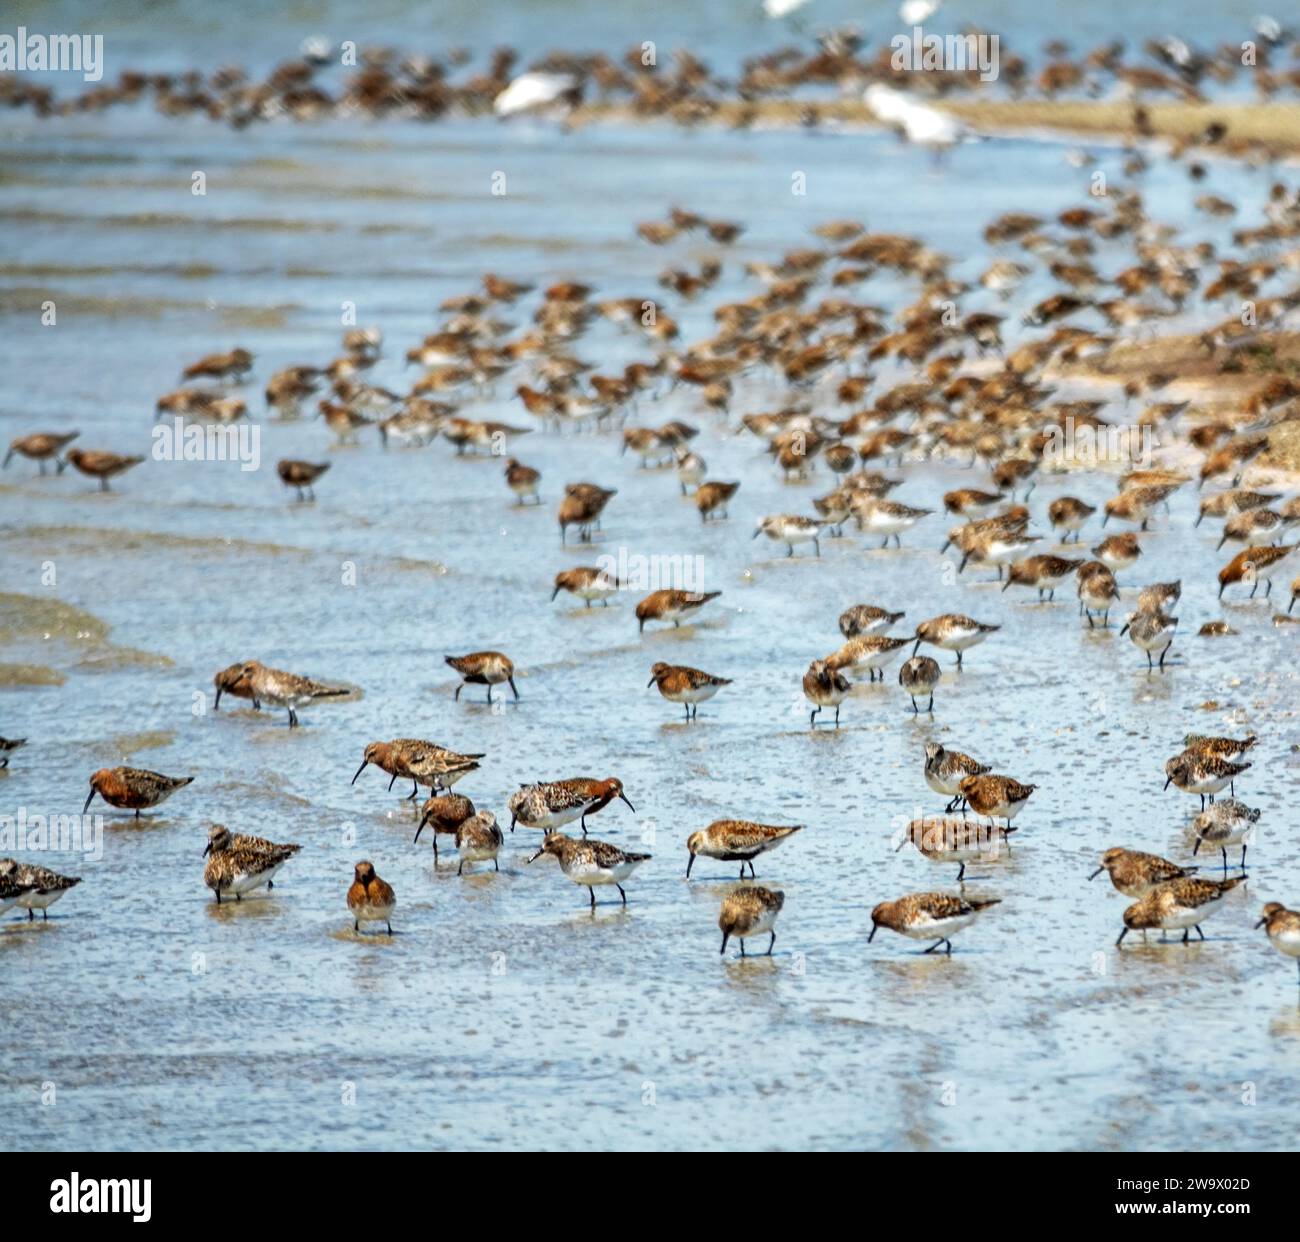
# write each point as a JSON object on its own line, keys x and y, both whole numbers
{"x": 502, "y": 1013}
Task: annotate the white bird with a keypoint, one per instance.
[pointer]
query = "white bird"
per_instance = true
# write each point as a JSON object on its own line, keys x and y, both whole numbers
{"x": 914, "y": 12}
{"x": 923, "y": 125}
{"x": 530, "y": 92}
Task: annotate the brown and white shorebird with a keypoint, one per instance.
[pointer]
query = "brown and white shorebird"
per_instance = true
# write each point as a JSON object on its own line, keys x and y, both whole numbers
{"x": 233, "y": 680}
{"x": 420, "y": 762}
{"x": 443, "y": 813}
{"x": 1252, "y": 566}
{"x": 483, "y": 668}
{"x": 238, "y": 869}
{"x": 478, "y": 839}
{"x": 133, "y": 789}
{"x": 1098, "y": 592}
{"x": 736, "y": 840}
{"x": 679, "y": 683}
{"x": 1283, "y": 928}
{"x": 927, "y": 916}
{"x": 671, "y": 605}
{"x": 549, "y": 805}
{"x": 868, "y": 653}
{"x": 969, "y": 502}
{"x": 945, "y": 839}
{"x": 919, "y": 676}
{"x": 101, "y": 466}
{"x": 276, "y": 688}
{"x": 587, "y": 582}
{"x": 1178, "y": 905}
{"x": 1253, "y": 527}
{"x": 301, "y": 475}
{"x": 523, "y": 481}
{"x": 1151, "y": 632}
{"x": 1159, "y": 596}
{"x": 889, "y": 518}
{"x": 1204, "y": 774}
{"x": 1135, "y": 874}
{"x": 1231, "y": 503}
{"x": 791, "y": 528}
{"x": 1044, "y": 573}
{"x": 711, "y": 498}
{"x": 750, "y": 911}
{"x": 1137, "y": 504}
{"x": 7, "y": 746}
{"x": 11, "y": 893}
{"x": 1070, "y": 514}
{"x": 1118, "y": 552}
{"x": 42, "y": 446}
{"x": 997, "y": 797}
{"x": 39, "y": 887}
{"x": 867, "y": 619}
{"x": 221, "y": 838}
{"x": 946, "y": 769}
{"x": 591, "y": 862}
{"x": 581, "y": 506}
{"x": 370, "y": 899}
{"x": 234, "y": 365}
{"x": 1227, "y": 822}
{"x": 824, "y": 686}
{"x": 953, "y": 632}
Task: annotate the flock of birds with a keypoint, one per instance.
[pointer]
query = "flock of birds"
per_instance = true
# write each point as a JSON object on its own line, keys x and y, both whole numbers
{"x": 968, "y": 397}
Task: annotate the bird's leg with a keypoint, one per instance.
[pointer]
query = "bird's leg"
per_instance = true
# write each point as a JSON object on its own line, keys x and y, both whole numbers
{"x": 592, "y": 891}
{"x": 621, "y": 893}
{"x": 770, "y": 943}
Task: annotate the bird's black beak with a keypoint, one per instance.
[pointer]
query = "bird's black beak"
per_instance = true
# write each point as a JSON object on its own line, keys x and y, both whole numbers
{"x": 207, "y": 849}
{"x": 871, "y": 937}
{"x": 89, "y": 800}
{"x": 1261, "y": 923}
{"x": 630, "y": 807}
{"x": 650, "y": 683}
{"x": 554, "y": 594}
{"x": 1168, "y": 781}
{"x": 419, "y": 829}
{"x": 690, "y": 862}
{"x": 536, "y": 856}
{"x": 756, "y": 534}
{"x": 1196, "y": 847}
{"x": 216, "y": 706}
{"x": 361, "y": 769}
{"x": 1096, "y": 873}
{"x": 1006, "y": 584}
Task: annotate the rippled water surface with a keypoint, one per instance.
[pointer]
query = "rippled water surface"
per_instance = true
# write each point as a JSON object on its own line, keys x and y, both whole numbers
{"x": 503, "y": 1013}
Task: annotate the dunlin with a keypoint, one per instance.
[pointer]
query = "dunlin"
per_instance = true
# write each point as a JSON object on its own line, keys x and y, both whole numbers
{"x": 581, "y": 506}
{"x": 552, "y": 804}
{"x": 953, "y": 632}
{"x": 736, "y": 840}
{"x": 238, "y": 869}
{"x": 927, "y": 916}
{"x": 1135, "y": 874}
{"x": 690, "y": 686}
{"x": 1043, "y": 573}
{"x": 1178, "y": 905}
{"x": 750, "y": 911}
{"x": 888, "y": 518}
{"x": 370, "y": 899}
{"x": 42, "y": 446}
{"x": 523, "y": 481}
{"x": 1098, "y": 592}
{"x": 276, "y": 688}
{"x": 221, "y": 838}
{"x": 955, "y": 840}
{"x": 918, "y": 676}
{"x": 591, "y": 862}
{"x": 39, "y": 887}
{"x": 233, "y": 680}
{"x": 133, "y": 789}
{"x": 587, "y": 582}
{"x": 711, "y": 498}
{"x": 946, "y": 769}
{"x": 867, "y": 619}
{"x": 443, "y": 813}
{"x": 671, "y": 605}
{"x": 1069, "y": 514}
{"x": 301, "y": 476}
{"x": 1202, "y": 774}
{"x": 101, "y": 466}
{"x": 478, "y": 839}
{"x": 1283, "y": 927}
{"x": 791, "y": 528}
{"x": 1151, "y": 632}
{"x": 483, "y": 668}
{"x": 1119, "y": 552}
{"x": 868, "y": 654}
{"x": 998, "y": 797}
{"x": 824, "y": 686}
{"x": 1227, "y": 822}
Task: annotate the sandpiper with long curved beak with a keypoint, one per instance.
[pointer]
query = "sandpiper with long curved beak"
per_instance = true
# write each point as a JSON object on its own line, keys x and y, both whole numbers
{"x": 591, "y": 862}
{"x": 133, "y": 789}
{"x": 549, "y": 805}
